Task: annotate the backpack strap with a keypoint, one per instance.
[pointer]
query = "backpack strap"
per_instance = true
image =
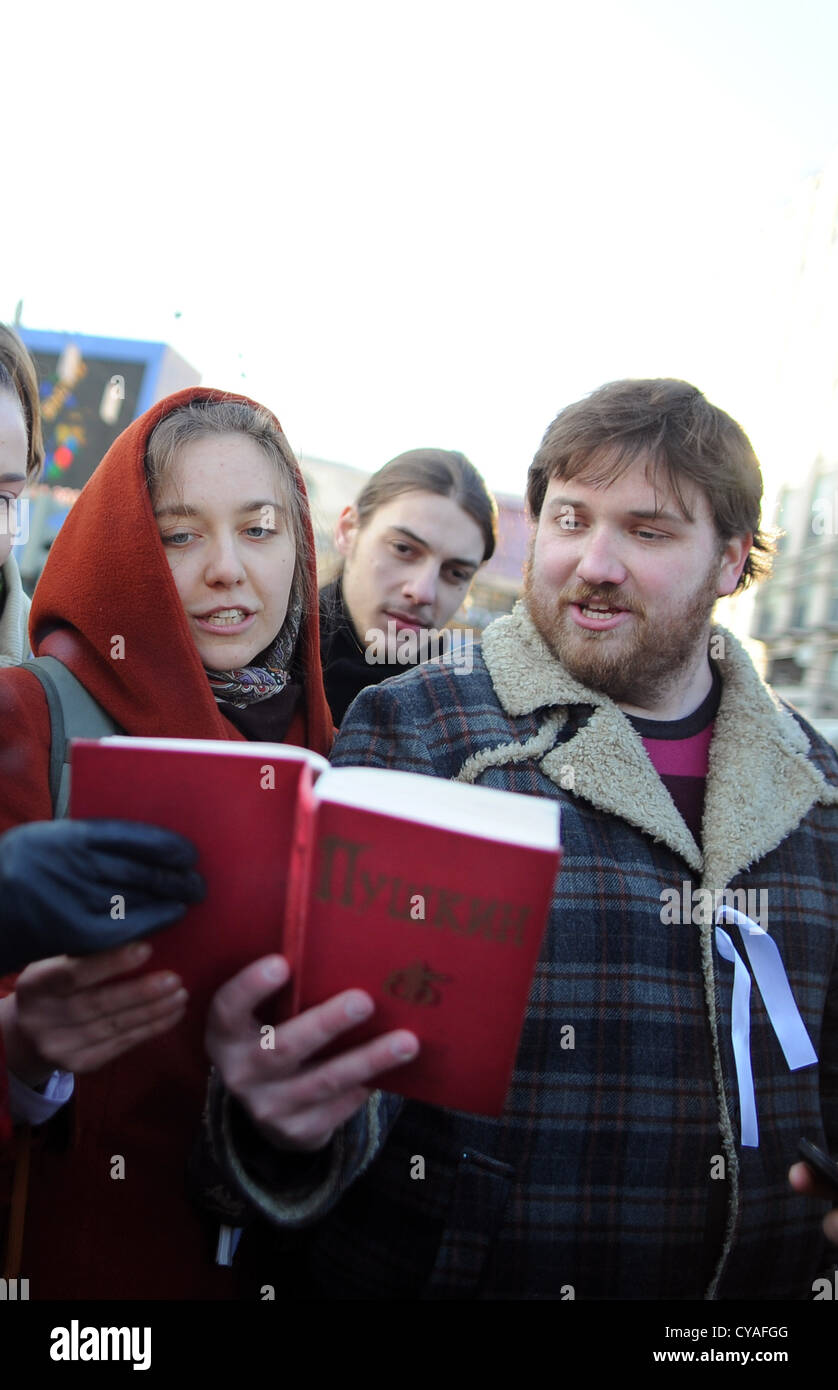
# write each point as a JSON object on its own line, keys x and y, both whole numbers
{"x": 73, "y": 713}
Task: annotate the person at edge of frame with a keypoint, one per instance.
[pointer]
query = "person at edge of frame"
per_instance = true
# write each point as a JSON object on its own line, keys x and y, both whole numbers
{"x": 47, "y": 869}
{"x": 21, "y": 460}
{"x": 629, "y": 1167}
{"x": 410, "y": 543}
{"x": 212, "y": 595}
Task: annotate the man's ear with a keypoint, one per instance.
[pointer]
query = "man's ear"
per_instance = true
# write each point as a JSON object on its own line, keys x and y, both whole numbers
{"x": 346, "y": 529}
{"x": 734, "y": 555}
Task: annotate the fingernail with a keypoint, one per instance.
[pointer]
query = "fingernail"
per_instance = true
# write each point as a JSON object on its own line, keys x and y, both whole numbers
{"x": 403, "y": 1049}
{"x": 273, "y": 970}
{"x": 167, "y": 981}
{"x": 358, "y": 1006}
{"x": 140, "y": 950}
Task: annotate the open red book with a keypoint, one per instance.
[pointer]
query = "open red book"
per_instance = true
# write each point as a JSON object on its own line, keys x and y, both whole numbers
{"x": 431, "y": 895}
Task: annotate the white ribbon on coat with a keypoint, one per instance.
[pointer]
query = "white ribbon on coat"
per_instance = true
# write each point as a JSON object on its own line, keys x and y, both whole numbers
{"x": 770, "y": 976}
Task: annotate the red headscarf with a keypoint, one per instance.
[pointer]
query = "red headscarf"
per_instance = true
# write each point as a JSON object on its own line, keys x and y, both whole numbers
{"x": 107, "y": 575}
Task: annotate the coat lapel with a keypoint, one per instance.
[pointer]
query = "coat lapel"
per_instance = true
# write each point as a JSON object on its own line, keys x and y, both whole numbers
{"x": 760, "y": 781}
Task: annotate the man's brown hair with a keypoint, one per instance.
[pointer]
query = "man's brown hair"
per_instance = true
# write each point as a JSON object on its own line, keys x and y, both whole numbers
{"x": 674, "y": 427}
{"x": 442, "y": 471}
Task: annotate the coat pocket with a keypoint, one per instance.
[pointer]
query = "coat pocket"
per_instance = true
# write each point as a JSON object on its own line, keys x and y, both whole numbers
{"x": 478, "y": 1201}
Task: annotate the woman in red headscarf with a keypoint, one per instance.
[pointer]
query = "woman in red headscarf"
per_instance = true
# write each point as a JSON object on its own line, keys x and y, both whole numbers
{"x": 192, "y": 543}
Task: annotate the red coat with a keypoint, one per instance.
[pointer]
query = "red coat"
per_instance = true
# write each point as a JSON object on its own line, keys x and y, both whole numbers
{"x": 89, "y": 1235}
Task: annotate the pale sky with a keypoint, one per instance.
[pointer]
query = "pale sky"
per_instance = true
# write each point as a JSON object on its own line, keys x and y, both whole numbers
{"x": 403, "y": 224}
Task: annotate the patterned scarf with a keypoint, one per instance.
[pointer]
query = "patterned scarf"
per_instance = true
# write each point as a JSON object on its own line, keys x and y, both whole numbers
{"x": 270, "y": 672}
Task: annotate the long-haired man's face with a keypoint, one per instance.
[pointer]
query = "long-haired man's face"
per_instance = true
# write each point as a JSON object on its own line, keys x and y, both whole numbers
{"x": 411, "y": 563}
{"x": 621, "y": 584}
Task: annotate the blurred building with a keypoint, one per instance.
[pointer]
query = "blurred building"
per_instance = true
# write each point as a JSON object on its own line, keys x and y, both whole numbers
{"x": 498, "y": 584}
{"x": 330, "y": 488}
{"x": 796, "y": 611}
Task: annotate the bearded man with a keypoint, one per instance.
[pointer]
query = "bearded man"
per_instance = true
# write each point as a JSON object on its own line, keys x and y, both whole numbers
{"x": 646, "y": 1161}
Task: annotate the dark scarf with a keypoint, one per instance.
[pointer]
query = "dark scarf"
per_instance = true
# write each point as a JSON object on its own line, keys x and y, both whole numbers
{"x": 346, "y": 671}
{"x": 266, "y": 721}
{"x": 260, "y": 699}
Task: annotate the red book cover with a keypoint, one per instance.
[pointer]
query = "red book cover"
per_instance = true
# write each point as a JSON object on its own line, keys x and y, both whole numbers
{"x": 235, "y": 802}
{"x": 430, "y": 895}
{"x": 442, "y": 926}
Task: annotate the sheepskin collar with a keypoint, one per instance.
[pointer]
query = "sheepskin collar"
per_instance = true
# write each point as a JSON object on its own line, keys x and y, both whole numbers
{"x": 760, "y": 782}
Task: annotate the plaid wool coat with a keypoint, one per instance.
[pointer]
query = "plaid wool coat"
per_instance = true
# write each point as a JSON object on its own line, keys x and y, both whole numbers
{"x": 616, "y": 1171}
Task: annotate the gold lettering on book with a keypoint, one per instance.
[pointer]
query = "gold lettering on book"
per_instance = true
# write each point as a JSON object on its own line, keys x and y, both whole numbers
{"x": 335, "y": 854}
{"x": 371, "y": 890}
{"x": 341, "y": 877}
{"x": 414, "y": 983}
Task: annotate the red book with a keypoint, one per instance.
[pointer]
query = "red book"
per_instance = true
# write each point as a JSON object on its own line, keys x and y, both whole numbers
{"x": 431, "y": 895}
{"x": 235, "y": 802}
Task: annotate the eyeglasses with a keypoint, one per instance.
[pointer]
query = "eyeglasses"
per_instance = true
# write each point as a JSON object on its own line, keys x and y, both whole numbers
{"x": 14, "y": 518}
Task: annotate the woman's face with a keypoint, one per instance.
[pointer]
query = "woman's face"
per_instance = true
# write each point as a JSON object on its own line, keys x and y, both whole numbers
{"x": 411, "y": 564}
{"x": 13, "y": 454}
{"x": 223, "y": 519}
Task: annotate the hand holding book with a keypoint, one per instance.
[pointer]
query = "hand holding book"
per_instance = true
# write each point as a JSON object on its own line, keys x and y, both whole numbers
{"x": 428, "y": 895}
{"x": 296, "y": 1102}
{"x": 76, "y": 1014}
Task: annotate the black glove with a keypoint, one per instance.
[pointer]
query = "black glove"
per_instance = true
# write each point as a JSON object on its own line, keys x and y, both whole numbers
{"x": 57, "y": 879}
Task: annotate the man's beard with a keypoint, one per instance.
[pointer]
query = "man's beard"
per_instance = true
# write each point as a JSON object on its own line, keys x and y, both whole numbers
{"x": 637, "y": 669}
